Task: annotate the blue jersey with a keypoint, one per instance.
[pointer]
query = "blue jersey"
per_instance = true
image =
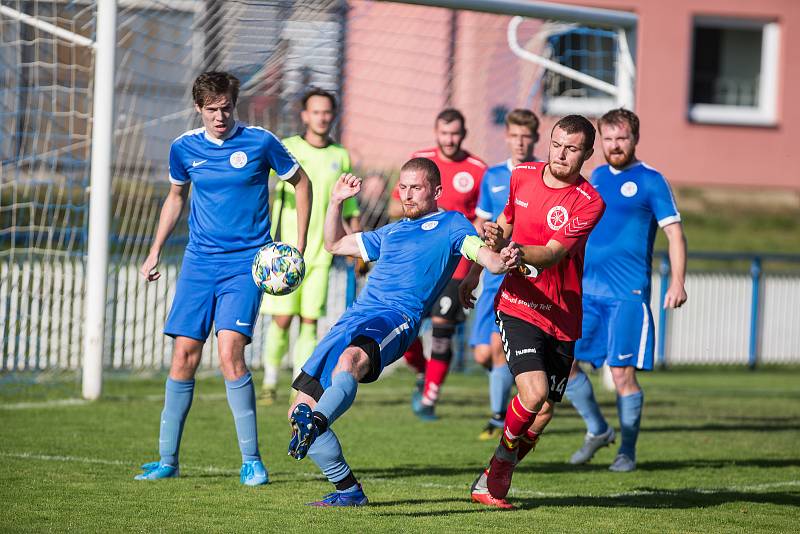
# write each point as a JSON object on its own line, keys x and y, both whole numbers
{"x": 230, "y": 197}
{"x": 415, "y": 260}
{"x": 491, "y": 203}
{"x": 619, "y": 253}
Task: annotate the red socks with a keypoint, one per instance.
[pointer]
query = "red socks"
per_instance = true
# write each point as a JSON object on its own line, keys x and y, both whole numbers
{"x": 434, "y": 378}
{"x": 518, "y": 420}
{"x": 527, "y": 443}
{"x": 415, "y": 357}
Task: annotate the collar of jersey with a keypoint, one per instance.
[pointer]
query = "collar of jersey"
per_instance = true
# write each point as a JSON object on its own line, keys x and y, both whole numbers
{"x": 431, "y": 214}
{"x": 615, "y": 172}
{"x": 218, "y": 142}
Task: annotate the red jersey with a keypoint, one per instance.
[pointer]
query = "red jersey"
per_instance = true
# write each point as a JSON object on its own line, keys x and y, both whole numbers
{"x": 461, "y": 185}
{"x": 551, "y": 300}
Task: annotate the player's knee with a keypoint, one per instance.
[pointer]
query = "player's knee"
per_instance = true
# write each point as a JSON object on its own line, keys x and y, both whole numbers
{"x": 532, "y": 395}
{"x": 482, "y": 355}
{"x": 185, "y": 359}
{"x": 354, "y": 361}
{"x": 282, "y": 321}
{"x": 441, "y": 340}
{"x": 625, "y": 380}
{"x": 574, "y": 370}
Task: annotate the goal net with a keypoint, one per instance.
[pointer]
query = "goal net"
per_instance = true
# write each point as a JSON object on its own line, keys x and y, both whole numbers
{"x": 394, "y": 66}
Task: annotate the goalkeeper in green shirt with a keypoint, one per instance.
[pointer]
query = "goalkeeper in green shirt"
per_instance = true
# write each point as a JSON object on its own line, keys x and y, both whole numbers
{"x": 324, "y": 161}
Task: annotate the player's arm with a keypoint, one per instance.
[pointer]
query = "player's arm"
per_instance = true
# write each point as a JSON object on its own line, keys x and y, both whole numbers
{"x": 541, "y": 257}
{"x": 303, "y": 197}
{"x": 676, "y": 292}
{"x": 170, "y": 213}
{"x": 337, "y": 239}
{"x": 473, "y": 248}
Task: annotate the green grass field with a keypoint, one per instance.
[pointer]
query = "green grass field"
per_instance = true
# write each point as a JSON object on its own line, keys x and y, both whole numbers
{"x": 718, "y": 453}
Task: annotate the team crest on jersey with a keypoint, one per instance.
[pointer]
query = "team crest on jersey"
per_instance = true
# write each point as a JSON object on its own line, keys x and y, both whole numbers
{"x": 463, "y": 182}
{"x": 238, "y": 159}
{"x": 430, "y": 225}
{"x": 557, "y": 217}
{"x": 628, "y": 189}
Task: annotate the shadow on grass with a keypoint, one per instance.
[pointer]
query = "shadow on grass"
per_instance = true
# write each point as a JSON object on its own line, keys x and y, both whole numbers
{"x": 709, "y": 427}
{"x": 471, "y": 471}
{"x": 563, "y": 467}
{"x": 640, "y": 498}
{"x": 664, "y": 499}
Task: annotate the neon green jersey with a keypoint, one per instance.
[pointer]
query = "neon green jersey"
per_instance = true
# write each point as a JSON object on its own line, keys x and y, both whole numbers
{"x": 323, "y": 166}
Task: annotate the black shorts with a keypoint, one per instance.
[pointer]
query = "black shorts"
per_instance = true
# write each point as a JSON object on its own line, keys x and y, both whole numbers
{"x": 529, "y": 348}
{"x": 447, "y": 305}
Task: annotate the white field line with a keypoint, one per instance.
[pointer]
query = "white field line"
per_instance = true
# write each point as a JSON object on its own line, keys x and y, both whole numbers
{"x": 453, "y": 487}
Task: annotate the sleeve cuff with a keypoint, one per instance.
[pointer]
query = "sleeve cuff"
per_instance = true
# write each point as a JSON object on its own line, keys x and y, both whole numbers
{"x": 175, "y": 181}
{"x": 483, "y": 214}
{"x": 361, "y": 247}
{"x": 666, "y": 221}
{"x": 290, "y": 173}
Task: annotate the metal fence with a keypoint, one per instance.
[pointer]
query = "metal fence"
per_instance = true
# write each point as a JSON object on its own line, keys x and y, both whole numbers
{"x": 730, "y": 318}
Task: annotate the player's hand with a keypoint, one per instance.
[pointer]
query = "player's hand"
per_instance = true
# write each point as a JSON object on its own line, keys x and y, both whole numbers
{"x": 347, "y": 186}
{"x": 511, "y": 255}
{"x": 149, "y": 268}
{"x": 675, "y": 297}
{"x": 465, "y": 289}
{"x": 493, "y": 236}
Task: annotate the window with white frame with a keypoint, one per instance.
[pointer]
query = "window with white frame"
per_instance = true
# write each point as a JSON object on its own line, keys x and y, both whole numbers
{"x": 588, "y": 50}
{"x": 734, "y": 71}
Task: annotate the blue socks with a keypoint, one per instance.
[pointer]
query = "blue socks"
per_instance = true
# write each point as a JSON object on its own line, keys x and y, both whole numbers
{"x": 500, "y": 382}
{"x": 177, "y": 401}
{"x": 326, "y": 451}
{"x": 630, "y": 414}
{"x": 581, "y": 394}
{"x": 242, "y": 400}
{"x": 338, "y": 397}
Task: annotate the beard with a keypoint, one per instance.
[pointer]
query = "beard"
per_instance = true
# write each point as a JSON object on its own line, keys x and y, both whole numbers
{"x": 412, "y": 212}
{"x": 619, "y": 160}
{"x": 561, "y": 172}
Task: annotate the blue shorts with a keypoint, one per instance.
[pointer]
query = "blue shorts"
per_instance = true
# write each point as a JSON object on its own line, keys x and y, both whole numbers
{"x": 219, "y": 292}
{"x": 391, "y": 330}
{"x": 484, "y": 324}
{"x": 617, "y": 332}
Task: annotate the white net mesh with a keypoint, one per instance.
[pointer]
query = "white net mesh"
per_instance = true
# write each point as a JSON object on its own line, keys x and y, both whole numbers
{"x": 394, "y": 67}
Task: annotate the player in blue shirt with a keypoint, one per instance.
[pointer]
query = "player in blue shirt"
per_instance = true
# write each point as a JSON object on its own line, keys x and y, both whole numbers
{"x": 617, "y": 321}
{"x": 522, "y": 133}
{"x": 227, "y": 165}
{"x": 416, "y": 257}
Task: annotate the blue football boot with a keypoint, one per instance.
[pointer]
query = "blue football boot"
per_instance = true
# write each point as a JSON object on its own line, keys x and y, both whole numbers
{"x": 347, "y": 498}
{"x": 156, "y": 471}
{"x": 424, "y": 412}
{"x": 253, "y": 473}
{"x": 304, "y": 431}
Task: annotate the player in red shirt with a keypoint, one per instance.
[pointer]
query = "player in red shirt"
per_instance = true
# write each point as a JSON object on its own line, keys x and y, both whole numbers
{"x": 461, "y": 180}
{"x": 551, "y": 210}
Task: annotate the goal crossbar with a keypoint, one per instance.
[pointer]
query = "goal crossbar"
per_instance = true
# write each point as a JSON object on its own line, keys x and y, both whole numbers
{"x": 591, "y": 16}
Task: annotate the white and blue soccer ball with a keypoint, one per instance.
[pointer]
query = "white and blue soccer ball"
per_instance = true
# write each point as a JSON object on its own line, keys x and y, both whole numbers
{"x": 278, "y": 268}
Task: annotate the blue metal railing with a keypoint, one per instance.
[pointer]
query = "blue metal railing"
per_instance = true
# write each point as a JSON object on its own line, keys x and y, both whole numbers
{"x": 756, "y": 270}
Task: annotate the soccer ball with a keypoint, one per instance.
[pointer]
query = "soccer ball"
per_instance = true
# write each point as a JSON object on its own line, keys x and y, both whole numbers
{"x": 278, "y": 268}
